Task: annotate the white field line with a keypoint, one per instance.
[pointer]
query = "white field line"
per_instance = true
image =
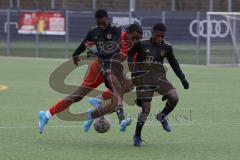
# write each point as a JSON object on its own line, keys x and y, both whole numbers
{"x": 148, "y": 124}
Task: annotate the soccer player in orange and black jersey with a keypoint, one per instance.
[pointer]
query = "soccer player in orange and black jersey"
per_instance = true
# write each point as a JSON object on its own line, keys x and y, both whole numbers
{"x": 149, "y": 76}
{"x": 132, "y": 35}
{"x": 129, "y": 37}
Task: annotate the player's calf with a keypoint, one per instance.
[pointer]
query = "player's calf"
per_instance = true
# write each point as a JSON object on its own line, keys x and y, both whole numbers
{"x": 172, "y": 100}
{"x": 142, "y": 117}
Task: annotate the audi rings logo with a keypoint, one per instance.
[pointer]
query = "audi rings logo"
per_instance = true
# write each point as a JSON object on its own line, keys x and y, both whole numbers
{"x": 218, "y": 28}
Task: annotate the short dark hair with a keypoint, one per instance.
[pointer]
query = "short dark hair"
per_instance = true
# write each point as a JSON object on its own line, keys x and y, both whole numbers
{"x": 101, "y": 13}
{"x": 134, "y": 28}
{"x": 159, "y": 27}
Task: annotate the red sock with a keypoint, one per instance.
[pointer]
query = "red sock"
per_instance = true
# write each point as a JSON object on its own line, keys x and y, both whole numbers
{"x": 107, "y": 94}
{"x": 60, "y": 106}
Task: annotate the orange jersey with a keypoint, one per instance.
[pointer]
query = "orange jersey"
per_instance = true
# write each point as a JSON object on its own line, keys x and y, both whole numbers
{"x": 93, "y": 78}
{"x": 125, "y": 46}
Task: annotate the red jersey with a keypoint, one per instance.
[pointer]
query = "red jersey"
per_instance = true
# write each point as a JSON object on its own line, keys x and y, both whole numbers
{"x": 125, "y": 46}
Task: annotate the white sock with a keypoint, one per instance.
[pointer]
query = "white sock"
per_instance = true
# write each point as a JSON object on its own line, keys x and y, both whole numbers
{"x": 48, "y": 114}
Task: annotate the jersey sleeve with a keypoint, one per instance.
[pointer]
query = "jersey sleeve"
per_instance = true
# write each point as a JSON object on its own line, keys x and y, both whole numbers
{"x": 174, "y": 64}
{"x": 81, "y": 48}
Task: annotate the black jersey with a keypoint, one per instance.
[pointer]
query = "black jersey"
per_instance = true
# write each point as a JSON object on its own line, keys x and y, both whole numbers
{"x": 149, "y": 53}
{"x": 107, "y": 42}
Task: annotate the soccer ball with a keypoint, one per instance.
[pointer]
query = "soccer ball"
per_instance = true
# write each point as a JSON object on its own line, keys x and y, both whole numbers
{"x": 102, "y": 124}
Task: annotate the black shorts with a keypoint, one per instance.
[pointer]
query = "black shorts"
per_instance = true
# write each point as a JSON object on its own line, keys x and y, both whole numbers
{"x": 146, "y": 92}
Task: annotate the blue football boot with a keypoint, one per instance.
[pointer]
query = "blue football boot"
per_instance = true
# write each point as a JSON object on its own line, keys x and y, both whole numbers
{"x": 124, "y": 123}
{"x": 42, "y": 121}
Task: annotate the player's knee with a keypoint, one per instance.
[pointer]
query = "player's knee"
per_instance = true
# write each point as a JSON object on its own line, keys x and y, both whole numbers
{"x": 173, "y": 99}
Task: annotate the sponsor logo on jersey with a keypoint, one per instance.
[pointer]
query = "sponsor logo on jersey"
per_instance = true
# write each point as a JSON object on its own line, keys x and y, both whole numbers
{"x": 109, "y": 36}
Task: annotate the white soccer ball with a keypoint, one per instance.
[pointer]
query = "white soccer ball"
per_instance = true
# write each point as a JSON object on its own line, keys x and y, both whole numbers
{"x": 102, "y": 124}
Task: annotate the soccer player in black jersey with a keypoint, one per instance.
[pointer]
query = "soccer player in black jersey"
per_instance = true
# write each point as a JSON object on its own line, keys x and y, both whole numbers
{"x": 107, "y": 37}
{"x": 149, "y": 76}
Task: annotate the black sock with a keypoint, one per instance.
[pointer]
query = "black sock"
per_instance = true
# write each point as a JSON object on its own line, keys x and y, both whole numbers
{"x": 139, "y": 127}
{"x": 167, "y": 109}
{"x": 120, "y": 113}
{"x": 141, "y": 121}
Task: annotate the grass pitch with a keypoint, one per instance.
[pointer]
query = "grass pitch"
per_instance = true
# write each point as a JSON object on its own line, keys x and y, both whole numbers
{"x": 206, "y": 123}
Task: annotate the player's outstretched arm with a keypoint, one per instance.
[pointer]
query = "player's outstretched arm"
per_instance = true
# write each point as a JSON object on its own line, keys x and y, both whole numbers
{"x": 176, "y": 68}
{"x": 81, "y": 48}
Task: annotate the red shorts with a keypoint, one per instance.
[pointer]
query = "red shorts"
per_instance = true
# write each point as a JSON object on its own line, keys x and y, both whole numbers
{"x": 93, "y": 78}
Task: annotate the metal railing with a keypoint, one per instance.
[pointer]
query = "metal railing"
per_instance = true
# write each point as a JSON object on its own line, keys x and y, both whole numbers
{"x": 138, "y": 5}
